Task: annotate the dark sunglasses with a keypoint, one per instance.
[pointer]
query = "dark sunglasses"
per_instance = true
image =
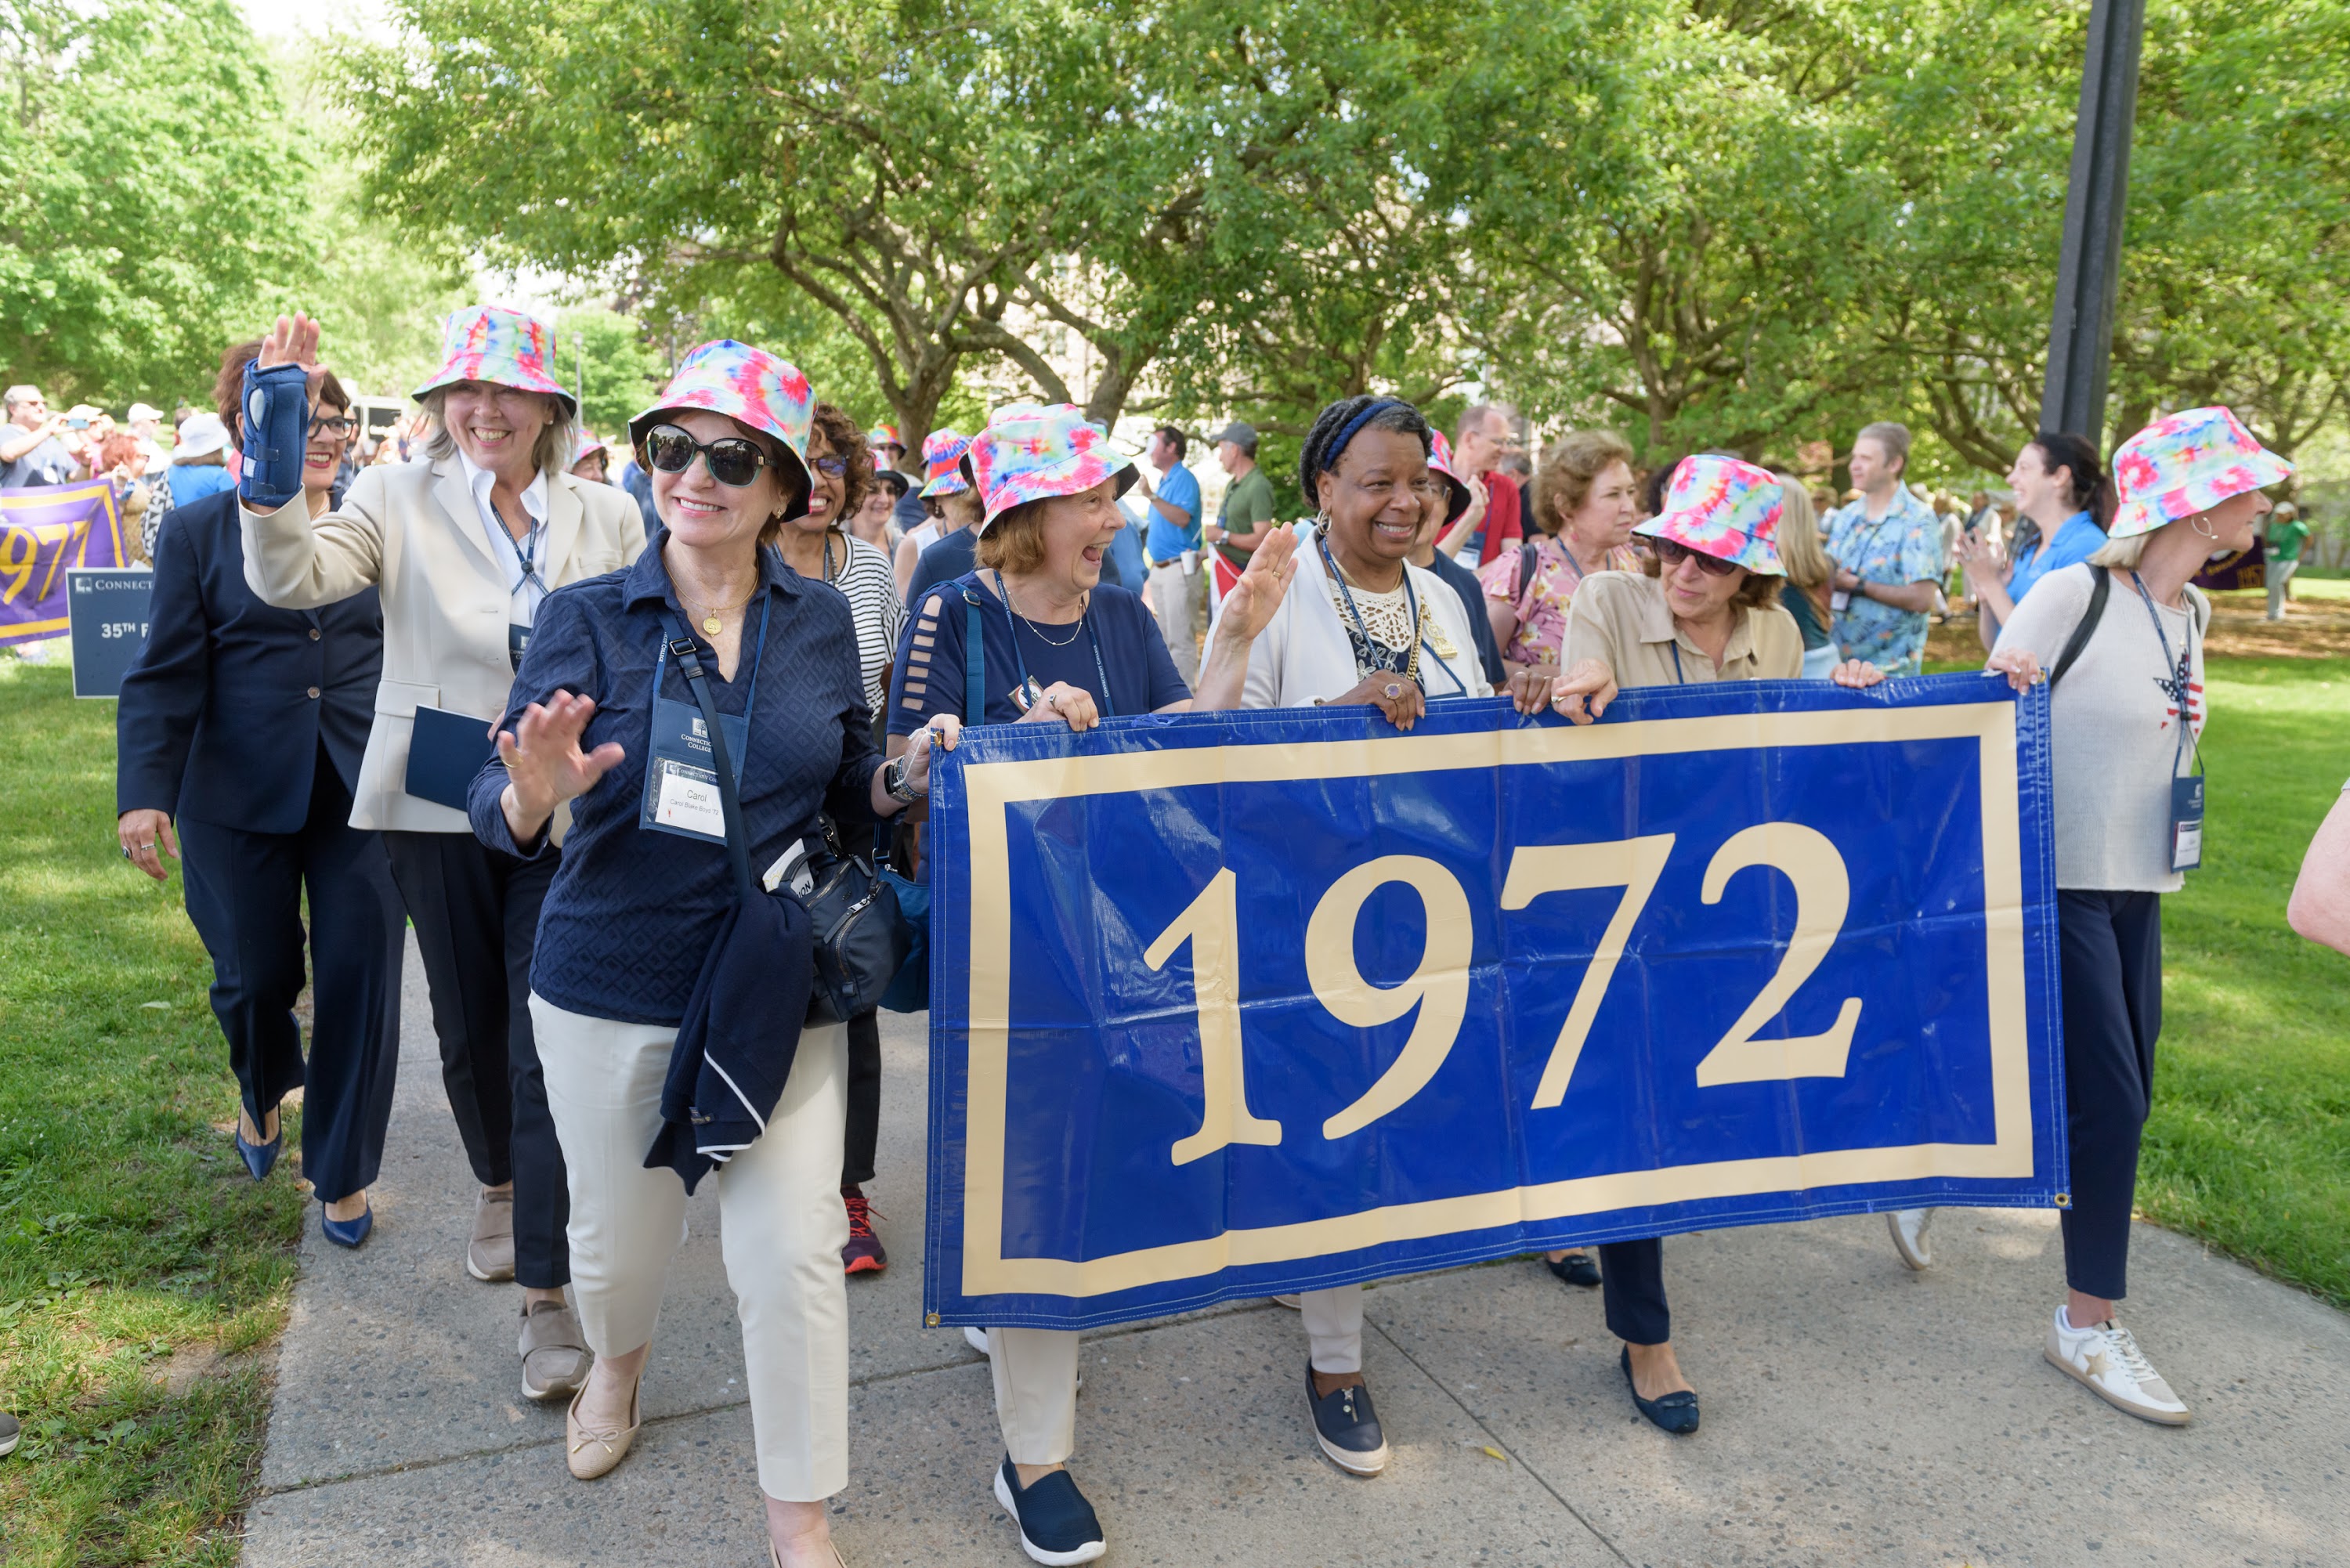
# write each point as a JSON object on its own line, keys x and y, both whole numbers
{"x": 830, "y": 465}
{"x": 734, "y": 461}
{"x": 1670, "y": 552}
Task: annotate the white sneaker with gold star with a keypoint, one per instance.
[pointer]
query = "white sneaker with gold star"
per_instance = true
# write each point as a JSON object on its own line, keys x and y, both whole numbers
{"x": 2108, "y": 1360}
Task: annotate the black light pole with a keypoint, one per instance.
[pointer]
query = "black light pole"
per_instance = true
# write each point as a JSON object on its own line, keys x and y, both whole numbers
{"x": 2089, "y": 273}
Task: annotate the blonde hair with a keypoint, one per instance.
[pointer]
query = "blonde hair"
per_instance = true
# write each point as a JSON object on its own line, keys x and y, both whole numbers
{"x": 1799, "y": 536}
{"x": 1571, "y": 467}
{"x": 550, "y": 453}
{"x": 2123, "y": 555}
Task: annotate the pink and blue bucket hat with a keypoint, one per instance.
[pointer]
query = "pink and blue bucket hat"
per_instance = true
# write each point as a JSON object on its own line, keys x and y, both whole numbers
{"x": 2186, "y": 463}
{"x": 1440, "y": 461}
{"x": 1034, "y": 452}
{"x": 1724, "y": 508}
{"x": 504, "y": 348}
{"x": 747, "y": 385}
{"x": 942, "y": 462}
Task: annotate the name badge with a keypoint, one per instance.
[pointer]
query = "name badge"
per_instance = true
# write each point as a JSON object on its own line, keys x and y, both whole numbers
{"x": 1840, "y": 599}
{"x": 681, "y": 775}
{"x": 517, "y": 643}
{"x": 2187, "y": 822}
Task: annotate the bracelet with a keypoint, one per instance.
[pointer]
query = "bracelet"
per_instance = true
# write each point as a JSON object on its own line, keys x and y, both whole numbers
{"x": 893, "y": 780}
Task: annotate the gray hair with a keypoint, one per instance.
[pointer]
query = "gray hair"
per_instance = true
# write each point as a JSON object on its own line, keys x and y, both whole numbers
{"x": 1893, "y": 437}
{"x": 551, "y": 453}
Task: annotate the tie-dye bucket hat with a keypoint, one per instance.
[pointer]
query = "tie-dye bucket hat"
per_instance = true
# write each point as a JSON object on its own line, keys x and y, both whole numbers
{"x": 747, "y": 385}
{"x": 1723, "y": 507}
{"x": 942, "y": 462}
{"x": 1440, "y": 463}
{"x": 880, "y": 436}
{"x": 1034, "y": 452}
{"x": 2186, "y": 463}
{"x": 504, "y": 348}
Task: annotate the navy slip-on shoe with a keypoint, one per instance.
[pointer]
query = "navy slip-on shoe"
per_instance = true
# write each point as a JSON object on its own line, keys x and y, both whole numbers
{"x": 1676, "y": 1412}
{"x": 1057, "y": 1523}
{"x": 1576, "y": 1269}
{"x": 347, "y": 1232}
{"x": 259, "y": 1156}
{"x": 1348, "y": 1427}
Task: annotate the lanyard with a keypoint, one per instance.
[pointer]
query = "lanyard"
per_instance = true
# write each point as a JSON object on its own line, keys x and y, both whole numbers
{"x": 529, "y": 560}
{"x": 2176, "y": 676}
{"x": 1678, "y": 678}
{"x": 1411, "y": 607}
{"x": 1012, "y": 622}
{"x": 757, "y": 654}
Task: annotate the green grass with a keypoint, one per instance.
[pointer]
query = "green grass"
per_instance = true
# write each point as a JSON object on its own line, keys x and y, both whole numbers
{"x": 2248, "y": 1145}
{"x": 133, "y": 1245}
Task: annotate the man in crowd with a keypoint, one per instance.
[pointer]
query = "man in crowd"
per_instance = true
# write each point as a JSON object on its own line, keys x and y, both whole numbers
{"x": 30, "y": 451}
{"x": 1480, "y": 442}
{"x": 1179, "y": 584}
{"x": 1888, "y": 548}
{"x": 1244, "y": 519}
{"x": 2286, "y": 535}
{"x": 145, "y": 421}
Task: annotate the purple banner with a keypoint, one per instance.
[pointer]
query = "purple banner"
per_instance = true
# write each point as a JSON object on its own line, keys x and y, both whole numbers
{"x": 43, "y": 530}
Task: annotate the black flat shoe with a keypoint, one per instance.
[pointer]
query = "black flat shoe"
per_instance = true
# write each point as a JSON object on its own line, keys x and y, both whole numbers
{"x": 1576, "y": 1269}
{"x": 1676, "y": 1412}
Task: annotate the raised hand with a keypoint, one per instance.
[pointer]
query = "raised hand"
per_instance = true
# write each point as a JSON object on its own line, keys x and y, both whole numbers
{"x": 545, "y": 766}
{"x": 294, "y": 340}
{"x": 1249, "y": 604}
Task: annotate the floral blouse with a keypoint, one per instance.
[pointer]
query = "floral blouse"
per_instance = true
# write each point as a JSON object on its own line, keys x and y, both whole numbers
{"x": 1541, "y": 606}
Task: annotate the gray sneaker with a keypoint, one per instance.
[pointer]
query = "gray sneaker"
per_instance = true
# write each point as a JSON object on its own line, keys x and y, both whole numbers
{"x": 1908, "y": 1227}
{"x": 9, "y": 1432}
{"x": 490, "y": 1254}
{"x": 555, "y": 1355}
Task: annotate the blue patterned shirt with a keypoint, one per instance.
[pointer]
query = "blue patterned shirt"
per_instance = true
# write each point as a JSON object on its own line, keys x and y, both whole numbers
{"x": 1905, "y": 546}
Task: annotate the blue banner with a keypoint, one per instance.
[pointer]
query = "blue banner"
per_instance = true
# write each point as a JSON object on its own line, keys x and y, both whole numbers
{"x": 1226, "y": 1005}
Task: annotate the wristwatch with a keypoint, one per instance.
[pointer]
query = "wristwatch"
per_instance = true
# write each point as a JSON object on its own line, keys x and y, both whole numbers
{"x": 893, "y": 779}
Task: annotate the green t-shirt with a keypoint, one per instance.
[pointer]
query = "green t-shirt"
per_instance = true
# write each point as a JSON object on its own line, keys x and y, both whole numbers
{"x": 1248, "y": 501}
{"x": 2285, "y": 540}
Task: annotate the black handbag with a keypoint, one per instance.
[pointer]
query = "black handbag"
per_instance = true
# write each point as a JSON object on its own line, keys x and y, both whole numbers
{"x": 860, "y": 942}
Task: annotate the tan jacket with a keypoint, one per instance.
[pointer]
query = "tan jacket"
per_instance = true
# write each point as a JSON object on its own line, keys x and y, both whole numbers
{"x": 1621, "y": 619}
{"x": 412, "y": 531}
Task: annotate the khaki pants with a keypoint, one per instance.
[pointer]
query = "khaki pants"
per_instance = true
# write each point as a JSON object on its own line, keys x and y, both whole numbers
{"x": 1035, "y": 1373}
{"x": 782, "y": 1227}
{"x": 1180, "y": 601}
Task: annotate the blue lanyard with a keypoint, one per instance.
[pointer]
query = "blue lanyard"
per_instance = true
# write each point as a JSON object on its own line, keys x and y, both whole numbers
{"x": 758, "y": 653}
{"x": 529, "y": 562}
{"x": 1012, "y": 621}
{"x": 2176, "y": 676}
{"x": 1411, "y": 607}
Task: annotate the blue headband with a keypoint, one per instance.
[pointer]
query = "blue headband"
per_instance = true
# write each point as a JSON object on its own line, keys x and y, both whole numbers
{"x": 1354, "y": 427}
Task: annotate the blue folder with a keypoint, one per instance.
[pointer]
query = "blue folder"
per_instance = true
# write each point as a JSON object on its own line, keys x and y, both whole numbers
{"x": 446, "y": 751}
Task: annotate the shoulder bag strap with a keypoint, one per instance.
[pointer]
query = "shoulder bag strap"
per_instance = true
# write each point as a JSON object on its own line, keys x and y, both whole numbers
{"x": 688, "y": 664}
{"x": 974, "y": 662}
{"x": 2099, "y": 593}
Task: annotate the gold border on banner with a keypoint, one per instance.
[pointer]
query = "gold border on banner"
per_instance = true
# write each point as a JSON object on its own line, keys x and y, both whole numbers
{"x": 40, "y": 499}
{"x": 991, "y": 788}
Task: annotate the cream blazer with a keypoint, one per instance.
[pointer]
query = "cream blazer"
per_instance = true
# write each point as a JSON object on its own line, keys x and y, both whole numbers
{"x": 411, "y": 530}
{"x": 1304, "y": 654}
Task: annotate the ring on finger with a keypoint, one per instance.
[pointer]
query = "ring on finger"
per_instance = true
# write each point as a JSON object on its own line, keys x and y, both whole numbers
{"x": 1394, "y": 691}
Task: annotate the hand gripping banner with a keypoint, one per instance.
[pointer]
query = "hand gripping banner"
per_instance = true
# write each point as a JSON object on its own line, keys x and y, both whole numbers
{"x": 1253, "y": 1002}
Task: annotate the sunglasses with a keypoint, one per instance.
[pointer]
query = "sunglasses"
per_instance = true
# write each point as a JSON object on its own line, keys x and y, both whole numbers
{"x": 333, "y": 427}
{"x": 830, "y": 466}
{"x": 734, "y": 461}
{"x": 1672, "y": 552}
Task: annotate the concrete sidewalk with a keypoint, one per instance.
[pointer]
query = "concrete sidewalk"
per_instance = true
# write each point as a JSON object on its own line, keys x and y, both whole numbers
{"x": 1854, "y": 1412}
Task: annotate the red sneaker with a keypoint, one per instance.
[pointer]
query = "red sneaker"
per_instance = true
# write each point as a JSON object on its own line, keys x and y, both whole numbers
{"x": 864, "y": 1254}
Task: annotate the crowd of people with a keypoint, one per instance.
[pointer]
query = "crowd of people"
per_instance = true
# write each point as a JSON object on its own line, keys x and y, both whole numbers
{"x": 588, "y": 647}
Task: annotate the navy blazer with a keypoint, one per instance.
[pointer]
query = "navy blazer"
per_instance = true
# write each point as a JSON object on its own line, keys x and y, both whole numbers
{"x": 223, "y": 710}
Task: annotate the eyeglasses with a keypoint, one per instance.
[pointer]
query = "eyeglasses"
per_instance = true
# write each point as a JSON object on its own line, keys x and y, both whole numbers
{"x": 732, "y": 461}
{"x": 342, "y": 427}
{"x": 1670, "y": 552}
{"x": 831, "y": 466}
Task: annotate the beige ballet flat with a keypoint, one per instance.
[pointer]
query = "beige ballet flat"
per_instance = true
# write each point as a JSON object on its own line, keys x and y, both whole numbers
{"x": 775, "y": 1558}
{"x": 592, "y": 1454}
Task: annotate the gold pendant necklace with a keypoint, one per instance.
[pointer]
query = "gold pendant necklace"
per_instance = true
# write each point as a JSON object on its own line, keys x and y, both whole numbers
{"x": 712, "y": 621}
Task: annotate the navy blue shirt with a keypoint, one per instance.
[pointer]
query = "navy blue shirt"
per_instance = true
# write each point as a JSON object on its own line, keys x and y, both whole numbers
{"x": 1481, "y": 625}
{"x": 943, "y": 561}
{"x": 929, "y": 677}
{"x": 631, "y": 910}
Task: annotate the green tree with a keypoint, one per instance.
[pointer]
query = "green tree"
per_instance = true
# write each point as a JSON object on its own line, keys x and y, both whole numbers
{"x": 603, "y": 357}
{"x": 155, "y": 195}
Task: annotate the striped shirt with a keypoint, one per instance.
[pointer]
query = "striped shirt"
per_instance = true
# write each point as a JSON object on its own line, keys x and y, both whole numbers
{"x": 864, "y": 576}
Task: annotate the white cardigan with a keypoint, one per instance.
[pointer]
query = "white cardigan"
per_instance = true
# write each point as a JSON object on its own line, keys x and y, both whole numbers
{"x": 1304, "y": 655}
{"x": 412, "y": 531}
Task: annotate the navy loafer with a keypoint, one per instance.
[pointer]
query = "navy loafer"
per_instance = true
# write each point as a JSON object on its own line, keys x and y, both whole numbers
{"x": 347, "y": 1232}
{"x": 259, "y": 1156}
{"x": 1676, "y": 1412}
{"x": 1348, "y": 1427}
{"x": 1576, "y": 1269}
{"x": 1057, "y": 1523}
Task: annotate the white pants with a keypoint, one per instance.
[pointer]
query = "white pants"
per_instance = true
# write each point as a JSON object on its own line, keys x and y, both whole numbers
{"x": 2280, "y": 574}
{"x": 1035, "y": 1373}
{"x": 782, "y": 1228}
{"x": 1180, "y": 601}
